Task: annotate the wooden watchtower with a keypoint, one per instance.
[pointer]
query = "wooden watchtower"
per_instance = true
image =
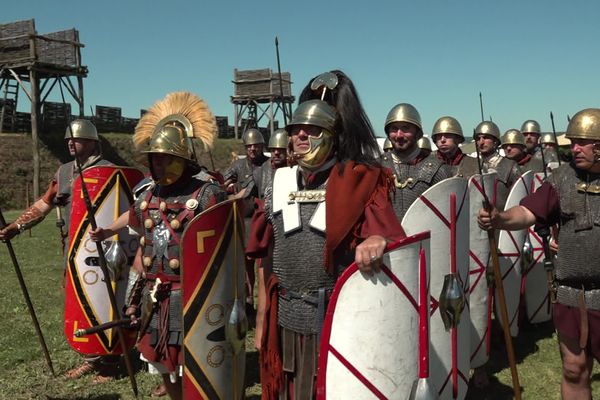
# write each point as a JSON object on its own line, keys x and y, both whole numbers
{"x": 260, "y": 93}
{"x": 35, "y": 64}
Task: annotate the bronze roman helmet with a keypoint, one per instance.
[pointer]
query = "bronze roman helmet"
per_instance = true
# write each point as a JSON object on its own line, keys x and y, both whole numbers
{"x": 387, "y": 145}
{"x": 448, "y": 125}
{"x": 81, "y": 129}
{"x": 404, "y": 112}
{"x": 424, "y": 144}
{"x": 585, "y": 125}
{"x": 513, "y": 136}
{"x": 317, "y": 113}
{"x": 252, "y": 136}
{"x": 548, "y": 138}
{"x": 530, "y": 126}
{"x": 487, "y": 128}
{"x": 279, "y": 139}
{"x": 169, "y": 127}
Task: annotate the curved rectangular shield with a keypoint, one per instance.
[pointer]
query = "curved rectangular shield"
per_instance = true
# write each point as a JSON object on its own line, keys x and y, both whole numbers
{"x": 480, "y": 293}
{"x": 510, "y": 254}
{"x": 214, "y": 321}
{"x": 443, "y": 209}
{"x": 535, "y": 285}
{"x": 86, "y": 297}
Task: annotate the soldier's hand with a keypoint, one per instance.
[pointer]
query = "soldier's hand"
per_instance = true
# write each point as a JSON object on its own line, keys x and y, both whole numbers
{"x": 486, "y": 218}
{"x": 369, "y": 254}
{"x": 554, "y": 245}
{"x": 9, "y": 231}
{"x": 131, "y": 312}
{"x": 98, "y": 234}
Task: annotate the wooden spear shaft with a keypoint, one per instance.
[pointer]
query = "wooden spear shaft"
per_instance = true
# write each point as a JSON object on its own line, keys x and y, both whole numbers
{"x": 504, "y": 314}
{"x": 36, "y": 324}
{"x": 499, "y": 285}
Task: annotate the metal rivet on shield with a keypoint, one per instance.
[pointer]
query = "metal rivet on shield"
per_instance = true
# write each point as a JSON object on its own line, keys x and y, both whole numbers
{"x": 162, "y": 206}
{"x": 174, "y": 263}
{"x": 144, "y": 205}
{"x": 191, "y": 204}
{"x": 148, "y": 223}
{"x": 175, "y": 224}
{"x": 147, "y": 261}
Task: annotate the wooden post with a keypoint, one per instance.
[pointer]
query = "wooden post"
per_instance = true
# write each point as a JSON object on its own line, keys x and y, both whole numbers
{"x": 271, "y": 116}
{"x": 35, "y": 97}
{"x": 80, "y": 99}
{"x": 235, "y": 120}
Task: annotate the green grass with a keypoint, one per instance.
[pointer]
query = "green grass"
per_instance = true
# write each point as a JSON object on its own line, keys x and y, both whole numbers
{"x": 24, "y": 375}
{"x": 23, "y": 370}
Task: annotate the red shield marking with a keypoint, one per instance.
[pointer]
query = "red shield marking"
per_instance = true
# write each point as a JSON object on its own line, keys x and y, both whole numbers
{"x": 371, "y": 370}
{"x": 86, "y": 299}
{"x": 212, "y": 252}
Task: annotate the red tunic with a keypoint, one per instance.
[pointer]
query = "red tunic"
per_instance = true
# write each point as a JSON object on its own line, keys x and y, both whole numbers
{"x": 544, "y": 204}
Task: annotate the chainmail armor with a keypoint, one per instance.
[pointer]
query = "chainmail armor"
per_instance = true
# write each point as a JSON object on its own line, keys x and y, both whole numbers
{"x": 418, "y": 178}
{"x": 579, "y": 235}
{"x": 298, "y": 264}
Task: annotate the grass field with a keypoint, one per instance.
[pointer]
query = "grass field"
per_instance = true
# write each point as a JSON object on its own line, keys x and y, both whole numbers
{"x": 23, "y": 372}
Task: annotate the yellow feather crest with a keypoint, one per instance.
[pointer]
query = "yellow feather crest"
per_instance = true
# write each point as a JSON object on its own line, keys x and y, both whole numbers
{"x": 186, "y": 104}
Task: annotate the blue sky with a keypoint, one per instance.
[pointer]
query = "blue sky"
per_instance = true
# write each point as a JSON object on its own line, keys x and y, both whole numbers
{"x": 527, "y": 57}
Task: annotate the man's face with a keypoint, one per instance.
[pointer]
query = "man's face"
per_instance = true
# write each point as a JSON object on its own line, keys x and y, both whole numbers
{"x": 514, "y": 151}
{"x": 531, "y": 140}
{"x": 403, "y": 135}
{"x": 254, "y": 151}
{"x": 486, "y": 144}
{"x": 583, "y": 153}
{"x": 81, "y": 148}
{"x": 278, "y": 156}
{"x": 300, "y": 135}
{"x": 166, "y": 169}
{"x": 447, "y": 143}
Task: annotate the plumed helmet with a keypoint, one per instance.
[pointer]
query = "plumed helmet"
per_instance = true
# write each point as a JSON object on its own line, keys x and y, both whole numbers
{"x": 585, "y": 125}
{"x": 424, "y": 144}
{"x": 170, "y": 137}
{"x": 513, "y": 136}
{"x": 448, "y": 125}
{"x": 547, "y": 138}
{"x": 404, "y": 112}
{"x": 279, "y": 139}
{"x": 530, "y": 126}
{"x": 387, "y": 145}
{"x": 170, "y": 125}
{"x": 487, "y": 128}
{"x": 82, "y": 129}
{"x": 314, "y": 112}
{"x": 252, "y": 136}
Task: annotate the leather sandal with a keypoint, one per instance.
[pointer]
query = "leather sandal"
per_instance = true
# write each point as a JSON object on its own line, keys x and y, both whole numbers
{"x": 159, "y": 391}
{"x": 82, "y": 369}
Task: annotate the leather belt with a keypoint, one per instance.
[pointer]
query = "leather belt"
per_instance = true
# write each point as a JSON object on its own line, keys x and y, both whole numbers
{"x": 581, "y": 285}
